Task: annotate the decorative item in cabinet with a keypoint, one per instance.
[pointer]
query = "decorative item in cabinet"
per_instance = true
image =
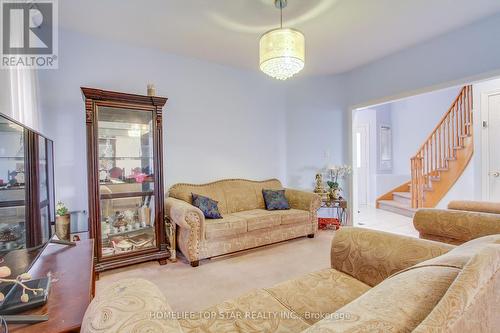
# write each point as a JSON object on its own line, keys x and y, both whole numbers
{"x": 125, "y": 180}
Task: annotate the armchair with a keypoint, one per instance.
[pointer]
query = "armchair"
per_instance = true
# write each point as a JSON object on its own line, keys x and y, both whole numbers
{"x": 461, "y": 222}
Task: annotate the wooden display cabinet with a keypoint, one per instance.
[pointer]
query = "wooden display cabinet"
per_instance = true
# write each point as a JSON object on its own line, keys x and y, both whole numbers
{"x": 125, "y": 177}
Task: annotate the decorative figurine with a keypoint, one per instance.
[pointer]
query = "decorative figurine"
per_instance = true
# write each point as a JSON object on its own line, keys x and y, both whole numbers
{"x": 119, "y": 221}
{"x": 319, "y": 184}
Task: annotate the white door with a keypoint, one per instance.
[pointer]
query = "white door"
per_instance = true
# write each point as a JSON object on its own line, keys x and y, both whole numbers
{"x": 493, "y": 160}
{"x": 361, "y": 163}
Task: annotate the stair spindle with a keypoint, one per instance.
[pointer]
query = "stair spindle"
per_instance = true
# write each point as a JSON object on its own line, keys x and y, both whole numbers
{"x": 450, "y": 135}
{"x": 440, "y": 152}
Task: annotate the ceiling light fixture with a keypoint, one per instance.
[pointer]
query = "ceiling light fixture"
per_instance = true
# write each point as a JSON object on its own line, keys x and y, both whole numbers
{"x": 282, "y": 50}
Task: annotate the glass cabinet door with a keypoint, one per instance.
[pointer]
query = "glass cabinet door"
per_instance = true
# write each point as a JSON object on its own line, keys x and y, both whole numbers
{"x": 12, "y": 186}
{"x": 126, "y": 180}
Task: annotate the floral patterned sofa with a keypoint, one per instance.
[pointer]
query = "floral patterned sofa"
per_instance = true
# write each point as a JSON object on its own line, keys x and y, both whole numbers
{"x": 245, "y": 223}
{"x": 378, "y": 282}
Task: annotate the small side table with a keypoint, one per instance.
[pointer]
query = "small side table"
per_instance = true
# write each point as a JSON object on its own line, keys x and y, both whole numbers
{"x": 340, "y": 207}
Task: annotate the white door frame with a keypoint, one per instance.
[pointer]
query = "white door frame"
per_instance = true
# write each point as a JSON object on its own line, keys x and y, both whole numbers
{"x": 355, "y": 179}
{"x": 485, "y": 152}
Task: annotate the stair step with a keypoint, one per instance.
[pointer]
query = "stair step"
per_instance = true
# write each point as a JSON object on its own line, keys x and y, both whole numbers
{"x": 403, "y": 194}
{"x": 435, "y": 178}
{"x": 450, "y": 158}
{"x": 402, "y": 197}
{"x": 426, "y": 188}
{"x": 442, "y": 169}
{"x": 397, "y": 207}
{"x": 458, "y": 147}
{"x": 464, "y": 136}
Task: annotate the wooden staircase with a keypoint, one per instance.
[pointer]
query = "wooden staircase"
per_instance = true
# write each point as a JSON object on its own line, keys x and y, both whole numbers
{"x": 439, "y": 162}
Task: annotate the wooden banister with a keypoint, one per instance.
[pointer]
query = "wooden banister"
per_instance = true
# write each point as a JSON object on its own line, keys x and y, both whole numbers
{"x": 440, "y": 146}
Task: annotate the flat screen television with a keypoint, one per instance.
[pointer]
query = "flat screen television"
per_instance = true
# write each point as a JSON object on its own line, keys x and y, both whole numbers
{"x": 26, "y": 194}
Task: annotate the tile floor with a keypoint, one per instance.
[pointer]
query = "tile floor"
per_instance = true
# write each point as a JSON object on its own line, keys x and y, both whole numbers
{"x": 372, "y": 218}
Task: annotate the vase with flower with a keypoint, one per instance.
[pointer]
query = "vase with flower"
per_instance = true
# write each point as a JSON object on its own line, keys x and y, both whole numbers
{"x": 337, "y": 172}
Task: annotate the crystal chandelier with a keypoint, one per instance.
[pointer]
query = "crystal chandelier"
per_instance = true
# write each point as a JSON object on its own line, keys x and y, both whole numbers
{"x": 282, "y": 50}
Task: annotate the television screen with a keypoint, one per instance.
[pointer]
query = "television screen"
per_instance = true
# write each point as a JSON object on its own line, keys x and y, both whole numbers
{"x": 26, "y": 194}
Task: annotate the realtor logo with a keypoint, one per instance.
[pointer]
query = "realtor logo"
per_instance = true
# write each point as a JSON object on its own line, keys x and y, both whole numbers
{"x": 29, "y": 34}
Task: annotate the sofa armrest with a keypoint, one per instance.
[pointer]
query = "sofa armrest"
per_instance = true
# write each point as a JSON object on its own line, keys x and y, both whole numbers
{"x": 127, "y": 306}
{"x": 455, "y": 226}
{"x": 183, "y": 214}
{"x": 475, "y": 206}
{"x": 372, "y": 256}
{"x": 303, "y": 200}
{"x": 191, "y": 222}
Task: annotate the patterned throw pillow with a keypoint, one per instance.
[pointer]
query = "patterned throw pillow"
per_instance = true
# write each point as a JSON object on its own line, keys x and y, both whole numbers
{"x": 275, "y": 199}
{"x": 207, "y": 206}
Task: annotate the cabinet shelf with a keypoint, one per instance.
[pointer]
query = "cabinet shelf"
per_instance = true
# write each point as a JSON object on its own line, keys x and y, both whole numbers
{"x": 13, "y": 158}
{"x": 12, "y": 203}
{"x": 125, "y": 183}
{"x": 126, "y": 195}
{"x": 125, "y": 158}
{"x": 127, "y": 232}
{"x": 12, "y": 188}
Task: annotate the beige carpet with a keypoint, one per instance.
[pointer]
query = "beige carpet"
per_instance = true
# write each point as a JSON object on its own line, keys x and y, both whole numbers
{"x": 215, "y": 280}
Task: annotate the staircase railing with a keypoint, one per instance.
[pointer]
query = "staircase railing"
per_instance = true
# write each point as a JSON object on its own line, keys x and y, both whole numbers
{"x": 441, "y": 145}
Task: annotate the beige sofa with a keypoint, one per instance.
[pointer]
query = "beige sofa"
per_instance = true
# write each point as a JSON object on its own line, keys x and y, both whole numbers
{"x": 245, "y": 223}
{"x": 378, "y": 282}
{"x": 461, "y": 222}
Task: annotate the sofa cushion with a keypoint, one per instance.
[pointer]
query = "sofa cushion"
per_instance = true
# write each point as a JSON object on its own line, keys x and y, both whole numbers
{"x": 228, "y": 225}
{"x": 260, "y": 219}
{"x": 293, "y": 216}
{"x": 233, "y": 195}
{"x": 207, "y": 206}
{"x": 126, "y": 306}
{"x": 315, "y": 295}
{"x": 184, "y": 192}
{"x": 460, "y": 256}
{"x": 472, "y": 303}
{"x": 397, "y": 304}
{"x": 254, "y": 312}
{"x": 240, "y": 197}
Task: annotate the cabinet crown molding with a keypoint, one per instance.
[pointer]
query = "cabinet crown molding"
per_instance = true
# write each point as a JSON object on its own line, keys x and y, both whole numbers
{"x": 108, "y": 95}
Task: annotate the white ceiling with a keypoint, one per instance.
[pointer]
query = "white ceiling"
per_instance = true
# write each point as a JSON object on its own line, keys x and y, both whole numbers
{"x": 340, "y": 34}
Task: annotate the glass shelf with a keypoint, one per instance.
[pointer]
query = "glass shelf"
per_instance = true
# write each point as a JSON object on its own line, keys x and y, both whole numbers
{"x": 126, "y": 158}
{"x": 127, "y": 182}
